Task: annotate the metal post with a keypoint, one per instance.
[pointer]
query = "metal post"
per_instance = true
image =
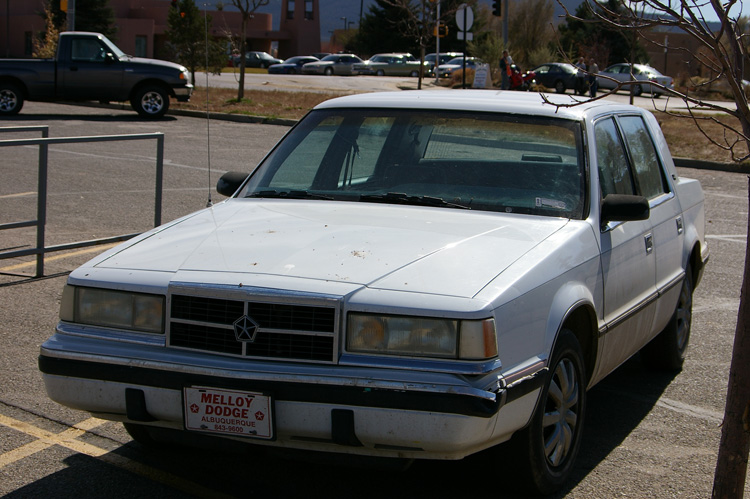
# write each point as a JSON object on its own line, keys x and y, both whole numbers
{"x": 71, "y": 15}
{"x": 505, "y": 24}
{"x": 159, "y": 179}
{"x": 437, "y": 43}
{"x": 41, "y": 205}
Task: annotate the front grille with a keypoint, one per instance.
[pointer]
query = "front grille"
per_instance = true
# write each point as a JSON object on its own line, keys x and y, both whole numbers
{"x": 286, "y": 331}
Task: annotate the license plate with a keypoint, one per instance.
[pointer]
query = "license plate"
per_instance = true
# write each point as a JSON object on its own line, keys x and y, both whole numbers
{"x": 228, "y": 412}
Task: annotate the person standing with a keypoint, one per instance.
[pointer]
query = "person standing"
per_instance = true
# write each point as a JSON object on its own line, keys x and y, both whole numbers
{"x": 581, "y": 76}
{"x": 593, "y": 83}
{"x": 505, "y": 62}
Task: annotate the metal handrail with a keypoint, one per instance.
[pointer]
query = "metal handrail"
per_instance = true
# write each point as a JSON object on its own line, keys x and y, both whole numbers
{"x": 41, "y": 249}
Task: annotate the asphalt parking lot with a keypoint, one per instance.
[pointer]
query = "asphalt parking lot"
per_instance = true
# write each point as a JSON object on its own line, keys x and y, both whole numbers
{"x": 648, "y": 435}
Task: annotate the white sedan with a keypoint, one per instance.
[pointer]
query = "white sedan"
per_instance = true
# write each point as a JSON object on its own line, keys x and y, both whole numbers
{"x": 615, "y": 74}
{"x": 405, "y": 275}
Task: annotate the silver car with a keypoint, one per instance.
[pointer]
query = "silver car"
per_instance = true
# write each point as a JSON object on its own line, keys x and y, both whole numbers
{"x": 418, "y": 275}
{"x": 334, "y": 64}
{"x": 617, "y": 73}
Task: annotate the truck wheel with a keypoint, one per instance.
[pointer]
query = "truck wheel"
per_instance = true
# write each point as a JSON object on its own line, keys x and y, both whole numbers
{"x": 11, "y": 99}
{"x": 150, "y": 101}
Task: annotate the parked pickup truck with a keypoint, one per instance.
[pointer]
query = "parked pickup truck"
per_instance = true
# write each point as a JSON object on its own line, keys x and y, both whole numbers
{"x": 89, "y": 67}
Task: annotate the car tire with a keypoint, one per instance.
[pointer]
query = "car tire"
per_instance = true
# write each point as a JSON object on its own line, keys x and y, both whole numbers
{"x": 552, "y": 439}
{"x": 656, "y": 95}
{"x": 637, "y": 90}
{"x": 150, "y": 101}
{"x": 11, "y": 99}
{"x": 667, "y": 351}
{"x": 379, "y": 72}
{"x": 328, "y": 71}
{"x": 414, "y": 74}
{"x": 559, "y": 87}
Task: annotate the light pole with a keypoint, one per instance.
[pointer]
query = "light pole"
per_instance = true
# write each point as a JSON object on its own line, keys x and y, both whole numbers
{"x": 344, "y": 19}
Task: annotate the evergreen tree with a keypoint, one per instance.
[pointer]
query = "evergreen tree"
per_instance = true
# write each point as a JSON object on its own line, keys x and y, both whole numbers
{"x": 95, "y": 15}
{"x": 186, "y": 31}
{"x": 380, "y": 31}
{"x": 601, "y": 41}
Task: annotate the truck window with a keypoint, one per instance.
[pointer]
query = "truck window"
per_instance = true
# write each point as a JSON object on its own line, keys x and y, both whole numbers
{"x": 87, "y": 49}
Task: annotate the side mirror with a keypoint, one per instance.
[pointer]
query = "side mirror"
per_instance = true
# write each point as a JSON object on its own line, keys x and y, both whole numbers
{"x": 624, "y": 208}
{"x": 230, "y": 182}
{"x": 109, "y": 57}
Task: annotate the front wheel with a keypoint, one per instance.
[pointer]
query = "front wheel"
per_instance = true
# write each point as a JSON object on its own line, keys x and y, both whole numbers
{"x": 551, "y": 441}
{"x": 638, "y": 90}
{"x": 559, "y": 87}
{"x": 667, "y": 351}
{"x": 11, "y": 99}
{"x": 150, "y": 101}
{"x": 329, "y": 71}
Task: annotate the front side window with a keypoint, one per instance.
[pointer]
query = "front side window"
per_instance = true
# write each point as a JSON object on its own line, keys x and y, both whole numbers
{"x": 612, "y": 161}
{"x": 449, "y": 159}
{"x": 87, "y": 50}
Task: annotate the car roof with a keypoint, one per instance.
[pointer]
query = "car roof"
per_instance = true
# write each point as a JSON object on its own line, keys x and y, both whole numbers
{"x": 500, "y": 101}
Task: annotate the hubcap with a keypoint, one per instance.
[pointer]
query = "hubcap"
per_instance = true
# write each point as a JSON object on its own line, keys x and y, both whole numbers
{"x": 560, "y": 413}
{"x": 152, "y": 102}
{"x": 7, "y": 100}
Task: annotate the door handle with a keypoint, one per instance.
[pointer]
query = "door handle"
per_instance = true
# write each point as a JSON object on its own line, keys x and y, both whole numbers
{"x": 649, "y": 240}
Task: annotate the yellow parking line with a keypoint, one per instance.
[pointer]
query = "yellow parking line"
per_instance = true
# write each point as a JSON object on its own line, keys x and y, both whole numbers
{"x": 68, "y": 439}
{"x": 95, "y": 249}
{"x": 18, "y": 195}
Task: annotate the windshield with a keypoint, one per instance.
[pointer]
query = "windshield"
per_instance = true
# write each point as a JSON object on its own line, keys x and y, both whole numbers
{"x": 112, "y": 47}
{"x": 450, "y": 159}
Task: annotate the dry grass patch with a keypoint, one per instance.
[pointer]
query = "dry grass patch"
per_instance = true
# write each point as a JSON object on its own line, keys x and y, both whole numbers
{"x": 267, "y": 103}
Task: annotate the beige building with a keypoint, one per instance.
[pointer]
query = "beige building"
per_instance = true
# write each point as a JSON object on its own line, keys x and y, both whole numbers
{"x": 141, "y": 25}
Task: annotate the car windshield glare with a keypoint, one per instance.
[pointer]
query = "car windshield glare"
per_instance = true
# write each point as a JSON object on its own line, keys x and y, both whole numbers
{"x": 437, "y": 158}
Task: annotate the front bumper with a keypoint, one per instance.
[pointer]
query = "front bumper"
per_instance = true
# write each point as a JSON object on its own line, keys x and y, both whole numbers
{"x": 385, "y": 412}
{"x": 183, "y": 93}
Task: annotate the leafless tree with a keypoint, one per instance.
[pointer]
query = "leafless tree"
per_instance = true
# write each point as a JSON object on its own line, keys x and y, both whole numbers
{"x": 722, "y": 52}
{"x": 246, "y": 8}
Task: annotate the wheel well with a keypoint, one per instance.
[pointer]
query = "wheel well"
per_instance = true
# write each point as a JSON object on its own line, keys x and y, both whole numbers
{"x": 582, "y": 322}
{"x": 145, "y": 83}
{"x": 696, "y": 264}
{"x": 18, "y": 83}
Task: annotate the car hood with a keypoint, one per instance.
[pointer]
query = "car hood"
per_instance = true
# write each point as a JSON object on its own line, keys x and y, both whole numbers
{"x": 405, "y": 248}
{"x": 156, "y": 62}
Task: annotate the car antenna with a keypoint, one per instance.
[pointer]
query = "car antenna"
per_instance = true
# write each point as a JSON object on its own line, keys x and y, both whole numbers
{"x": 210, "y": 202}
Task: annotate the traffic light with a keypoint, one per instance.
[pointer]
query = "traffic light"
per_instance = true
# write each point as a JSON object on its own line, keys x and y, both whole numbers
{"x": 441, "y": 30}
{"x": 497, "y": 8}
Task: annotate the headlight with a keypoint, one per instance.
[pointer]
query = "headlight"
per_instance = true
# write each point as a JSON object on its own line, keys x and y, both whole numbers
{"x": 108, "y": 308}
{"x": 421, "y": 337}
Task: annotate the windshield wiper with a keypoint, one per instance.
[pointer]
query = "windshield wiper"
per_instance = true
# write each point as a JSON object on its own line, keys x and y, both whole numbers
{"x": 294, "y": 194}
{"x": 402, "y": 198}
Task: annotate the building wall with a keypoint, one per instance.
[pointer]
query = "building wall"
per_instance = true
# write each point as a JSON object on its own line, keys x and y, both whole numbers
{"x": 300, "y": 20}
{"x": 141, "y": 25}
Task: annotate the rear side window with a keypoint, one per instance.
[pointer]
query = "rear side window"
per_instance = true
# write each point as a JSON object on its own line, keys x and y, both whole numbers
{"x": 648, "y": 171}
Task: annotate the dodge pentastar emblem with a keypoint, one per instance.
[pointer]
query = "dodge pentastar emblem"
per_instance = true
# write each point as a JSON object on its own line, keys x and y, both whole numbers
{"x": 245, "y": 329}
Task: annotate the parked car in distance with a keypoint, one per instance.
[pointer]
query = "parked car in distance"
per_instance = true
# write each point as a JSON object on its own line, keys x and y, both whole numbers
{"x": 411, "y": 275}
{"x": 446, "y": 70}
{"x": 293, "y": 65}
{"x": 334, "y": 64}
{"x": 394, "y": 64}
{"x": 641, "y": 72}
{"x": 432, "y": 59}
{"x": 559, "y": 76}
{"x": 256, "y": 59}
